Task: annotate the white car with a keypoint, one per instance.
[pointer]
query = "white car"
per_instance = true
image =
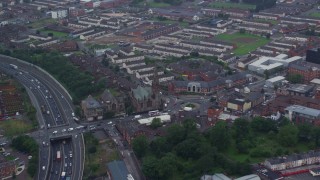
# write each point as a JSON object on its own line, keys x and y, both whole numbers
{"x": 63, "y": 130}
{"x": 55, "y": 132}
{"x": 70, "y": 129}
{"x": 110, "y": 122}
{"x": 43, "y": 167}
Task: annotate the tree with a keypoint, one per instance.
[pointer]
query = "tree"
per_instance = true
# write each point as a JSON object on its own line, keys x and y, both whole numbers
{"x": 160, "y": 146}
{"x": 242, "y": 31}
{"x": 268, "y": 36}
{"x": 305, "y": 132}
{"x": 140, "y": 145}
{"x": 288, "y": 135}
{"x": 188, "y": 149}
{"x": 50, "y": 34}
{"x": 219, "y": 136}
{"x": 92, "y": 150}
{"x": 167, "y": 165}
{"x": 156, "y": 122}
{"x": 241, "y": 128}
{"x": 295, "y": 78}
{"x": 105, "y": 62}
{"x": 117, "y": 68}
{"x": 194, "y": 54}
{"x": 260, "y": 124}
{"x": 150, "y": 167}
{"x": 175, "y": 134}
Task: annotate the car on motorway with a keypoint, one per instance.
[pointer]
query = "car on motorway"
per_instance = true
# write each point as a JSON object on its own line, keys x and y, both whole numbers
{"x": 55, "y": 132}
{"x": 110, "y": 122}
{"x": 70, "y": 129}
{"x": 79, "y": 127}
{"x": 63, "y": 130}
{"x": 70, "y": 155}
{"x": 66, "y": 164}
{"x": 70, "y": 164}
{"x": 43, "y": 167}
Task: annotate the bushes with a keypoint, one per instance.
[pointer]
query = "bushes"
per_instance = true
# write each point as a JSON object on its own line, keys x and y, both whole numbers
{"x": 28, "y": 145}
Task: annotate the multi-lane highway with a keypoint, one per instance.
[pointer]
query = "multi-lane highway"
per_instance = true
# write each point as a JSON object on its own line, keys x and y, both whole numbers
{"x": 53, "y": 101}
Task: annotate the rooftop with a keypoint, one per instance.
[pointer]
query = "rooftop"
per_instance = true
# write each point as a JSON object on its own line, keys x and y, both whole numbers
{"x": 301, "y": 88}
{"x": 118, "y": 170}
{"x": 304, "y": 110}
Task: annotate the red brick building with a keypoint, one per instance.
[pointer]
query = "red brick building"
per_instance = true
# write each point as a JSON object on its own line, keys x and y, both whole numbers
{"x": 213, "y": 114}
{"x": 308, "y": 70}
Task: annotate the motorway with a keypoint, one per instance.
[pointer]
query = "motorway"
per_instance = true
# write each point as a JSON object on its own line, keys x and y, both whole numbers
{"x": 55, "y": 104}
{"x": 59, "y": 132}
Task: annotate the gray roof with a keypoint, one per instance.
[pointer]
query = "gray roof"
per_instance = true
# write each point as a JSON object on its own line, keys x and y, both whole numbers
{"x": 141, "y": 92}
{"x": 304, "y": 110}
{"x": 107, "y": 96}
{"x": 302, "y": 88}
{"x": 118, "y": 170}
{"x": 90, "y": 102}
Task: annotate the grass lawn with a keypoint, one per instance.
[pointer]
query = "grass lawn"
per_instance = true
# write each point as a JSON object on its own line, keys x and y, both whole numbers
{"x": 157, "y": 4}
{"x": 273, "y": 22}
{"x": 245, "y": 42}
{"x": 232, "y": 5}
{"x": 262, "y": 142}
{"x": 315, "y": 14}
{"x": 41, "y": 23}
{"x": 182, "y": 24}
{"x": 15, "y": 127}
{"x": 55, "y": 33}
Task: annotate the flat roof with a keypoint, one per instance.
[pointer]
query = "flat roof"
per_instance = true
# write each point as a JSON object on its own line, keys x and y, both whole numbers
{"x": 315, "y": 81}
{"x": 304, "y": 110}
{"x": 302, "y": 88}
{"x": 276, "y": 79}
{"x": 148, "y": 121}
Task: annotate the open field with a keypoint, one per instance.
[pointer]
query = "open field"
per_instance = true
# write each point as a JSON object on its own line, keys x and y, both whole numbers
{"x": 245, "y": 42}
{"x": 41, "y": 23}
{"x": 157, "y": 4}
{"x": 14, "y": 127}
{"x": 55, "y": 33}
{"x": 232, "y": 5}
{"x": 315, "y": 14}
{"x": 182, "y": 24}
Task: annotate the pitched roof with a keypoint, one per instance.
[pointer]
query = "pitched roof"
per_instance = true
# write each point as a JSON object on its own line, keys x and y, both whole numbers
{"x": 90, "y": 102}
{"x": 141, "y": 92}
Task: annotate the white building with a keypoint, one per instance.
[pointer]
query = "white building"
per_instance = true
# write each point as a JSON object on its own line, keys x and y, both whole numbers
{"x": 59, "y": 14}
{"x": 272, "y": 64}
{"x": 275, "y": 81}
{"x": 148, "y": 121}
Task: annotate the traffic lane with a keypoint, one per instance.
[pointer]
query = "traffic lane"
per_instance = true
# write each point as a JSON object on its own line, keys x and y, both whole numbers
{"x": 78, "y": 159}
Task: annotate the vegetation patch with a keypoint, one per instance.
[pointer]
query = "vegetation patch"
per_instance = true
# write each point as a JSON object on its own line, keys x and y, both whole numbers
{"x": 41, "y": 23}
{"x": 97, "y": 155}
{"x": 227, "y": 5}
{"x": 315, "y": 14}
{"x": 54, "y": 33}
{"x": 79, "y": 83}
{"x": 153, "y": 4}
{"x": 245, "y": 42}
{"x": 27, "y": 144}
{"x": 191, "y": 105}
{"x": 184, "y": 152}
{"x": 15, "y": 127}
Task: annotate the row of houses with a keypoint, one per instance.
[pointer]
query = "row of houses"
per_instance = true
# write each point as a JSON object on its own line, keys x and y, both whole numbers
{"x": 293, "y": 161}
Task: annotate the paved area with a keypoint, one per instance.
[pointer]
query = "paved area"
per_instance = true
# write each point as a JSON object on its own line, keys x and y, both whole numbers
{"x": 304, "y": 176}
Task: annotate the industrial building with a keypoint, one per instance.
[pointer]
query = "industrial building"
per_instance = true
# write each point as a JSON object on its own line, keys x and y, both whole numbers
{"x": 163, "y": 118}
{"x": 275, "y": 81}
{"x": 272, "y": 64}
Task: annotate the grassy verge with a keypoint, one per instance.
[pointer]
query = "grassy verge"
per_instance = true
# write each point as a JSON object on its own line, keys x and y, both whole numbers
{"x": 232, "y": 5}
{"x": 15, "y": 127}
{"x": 248, "y": 43}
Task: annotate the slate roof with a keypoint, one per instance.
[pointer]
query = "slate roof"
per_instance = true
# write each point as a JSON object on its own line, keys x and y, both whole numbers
{"x": 140, "y": 92}
{"x": 118, "y": 170}
{"x": 90, "y": 102}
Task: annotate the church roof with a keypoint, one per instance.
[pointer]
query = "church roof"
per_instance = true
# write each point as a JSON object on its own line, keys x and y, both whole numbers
{"x": 140, "y": 92}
